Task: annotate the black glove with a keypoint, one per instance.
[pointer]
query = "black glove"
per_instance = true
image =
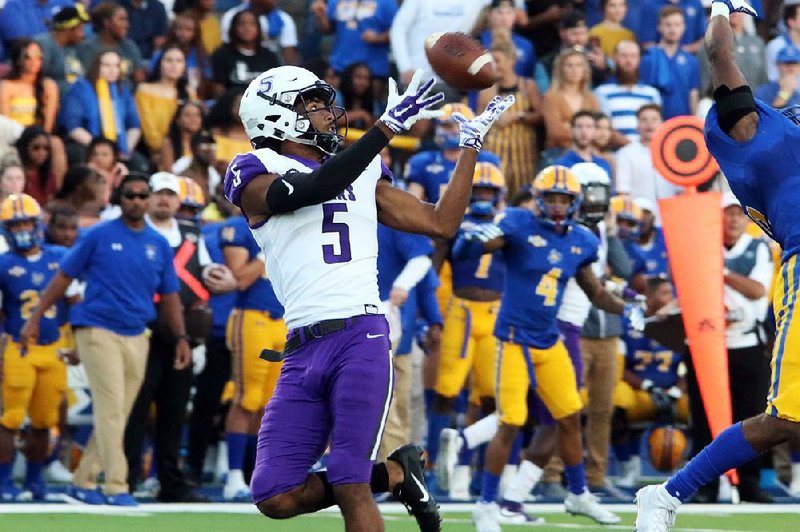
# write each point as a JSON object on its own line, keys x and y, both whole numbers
{"x": 662, "y": 401}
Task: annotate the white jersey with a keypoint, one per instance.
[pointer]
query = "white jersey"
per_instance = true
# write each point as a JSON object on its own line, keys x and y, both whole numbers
{"x": 575, "y": 305}
{"x": 322, "y": 259}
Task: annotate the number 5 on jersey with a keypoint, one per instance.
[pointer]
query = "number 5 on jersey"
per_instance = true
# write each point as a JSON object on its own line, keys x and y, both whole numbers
{"x": 548, "y": 286}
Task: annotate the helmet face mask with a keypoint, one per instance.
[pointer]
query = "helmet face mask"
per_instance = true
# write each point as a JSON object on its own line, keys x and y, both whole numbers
{"x": 488, "y": 188}
{"x": 628, "y": 217}
{"x": 595, "y": 203}
{"x": 21, "y": 217}
{"x": 278, "y": 105}
{"x": 558, "y": 196}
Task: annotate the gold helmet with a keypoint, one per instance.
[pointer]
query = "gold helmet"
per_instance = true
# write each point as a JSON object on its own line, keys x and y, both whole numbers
{"x": 486, "y": 175}
{"x": 556, "y": 179}
{"x": 19, "y": 208}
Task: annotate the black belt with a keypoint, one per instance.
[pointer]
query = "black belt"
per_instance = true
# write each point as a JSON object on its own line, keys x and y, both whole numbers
{"x": 305, "y": 334}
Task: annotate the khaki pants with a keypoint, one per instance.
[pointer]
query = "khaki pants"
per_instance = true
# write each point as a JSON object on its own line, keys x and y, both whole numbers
{"x": 115, "y": 367}
{"x": 600, "y": 376}
{"x": 398, "y": 424}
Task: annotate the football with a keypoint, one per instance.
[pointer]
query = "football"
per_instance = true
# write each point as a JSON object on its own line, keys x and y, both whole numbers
{"x": 667, "y": 445}
{"x": 460, "y": 61}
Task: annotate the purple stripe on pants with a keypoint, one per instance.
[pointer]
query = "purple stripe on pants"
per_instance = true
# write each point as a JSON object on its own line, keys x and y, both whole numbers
{"x": 571, "y": 336}
{"x": 333, "y": 389}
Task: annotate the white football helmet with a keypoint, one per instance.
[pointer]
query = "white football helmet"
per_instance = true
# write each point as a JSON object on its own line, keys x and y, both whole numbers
{"x": 596, "y": 187}
{"x": 269, "y": 108}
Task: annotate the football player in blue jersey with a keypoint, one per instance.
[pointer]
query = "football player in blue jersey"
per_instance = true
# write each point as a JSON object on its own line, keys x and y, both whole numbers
{"x": 757, "y": 148}
{"x": 34, "y": 378}
{"x": 627, "y": 219}
{"x": 651, "y": 388}
{"x": 428, "y": 173}
{"x": 468, "y": 345}
{"x": 542, "y": 251}
{"x": 651, "y": 244}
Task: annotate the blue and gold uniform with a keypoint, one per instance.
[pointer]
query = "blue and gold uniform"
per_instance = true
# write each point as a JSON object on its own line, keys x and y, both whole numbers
{"x": 468, "y": 341}
{"x": 539, "y": 263}
{"x": 648, "y": 360}
{"x": 764, "y": 174}
{"x": 256, "y": 323}
{"x": 651, "y": 259}
{"x": 33, "y": 382}
{"x": 432, "y": 170}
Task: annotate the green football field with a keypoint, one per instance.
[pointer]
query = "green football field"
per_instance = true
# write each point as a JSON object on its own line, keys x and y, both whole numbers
{"x": 179, "y": 519}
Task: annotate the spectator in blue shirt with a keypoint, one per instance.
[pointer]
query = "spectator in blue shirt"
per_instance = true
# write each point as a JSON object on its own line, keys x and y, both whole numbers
{"x": 694, "y": 18}
{"x": 672, "y": 70}
{"x": 783, "y": 92}
{"x": 501, "y": 17}
{"x": 26, "y": 18}
{"x": 584, "y": 127}
{"x": 361, "y": 32}
{"x": 148, "y": 24}
{"x": 124, "y": 263}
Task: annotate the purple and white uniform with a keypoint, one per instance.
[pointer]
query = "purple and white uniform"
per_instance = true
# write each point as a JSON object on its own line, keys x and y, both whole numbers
{"x": 322, "y": 261}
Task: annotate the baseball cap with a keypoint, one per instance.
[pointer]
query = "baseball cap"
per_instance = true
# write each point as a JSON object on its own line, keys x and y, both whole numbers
{"x": 69, "y": 17}
{"x": 729, "y": 200}
{"x": 165, "y": 181}
{"x": 788, "y": 54}
{"x": 645, "y": 204}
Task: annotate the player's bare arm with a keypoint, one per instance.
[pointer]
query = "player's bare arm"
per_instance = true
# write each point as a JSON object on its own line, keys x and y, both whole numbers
{"x": 245, "y": 271}
{"x": 605, "y": 300}
{"x": 734, "y": 99}
{"x": 405, "y": 212}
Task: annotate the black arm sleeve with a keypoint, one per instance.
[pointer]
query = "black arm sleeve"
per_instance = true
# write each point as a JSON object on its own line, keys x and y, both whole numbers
{"x": 733, "y": 105}
{"x": 295, "y": 190}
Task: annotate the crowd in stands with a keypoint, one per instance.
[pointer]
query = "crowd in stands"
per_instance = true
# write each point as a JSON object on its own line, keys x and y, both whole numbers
{"x": 118, "y": 117}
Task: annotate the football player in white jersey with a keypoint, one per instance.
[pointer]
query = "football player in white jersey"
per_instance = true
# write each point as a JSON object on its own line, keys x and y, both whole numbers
{"x": 315, "y": 215}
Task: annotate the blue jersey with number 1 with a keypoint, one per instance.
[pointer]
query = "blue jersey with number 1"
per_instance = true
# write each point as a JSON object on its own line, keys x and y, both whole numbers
{"x": 763, "y": 172}
{"x": 487, "y": 271}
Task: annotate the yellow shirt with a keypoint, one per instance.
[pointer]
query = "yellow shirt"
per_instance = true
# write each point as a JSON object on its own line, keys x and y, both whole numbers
{"x": 155, "y": 115}
{"x": 210, "y": 33}
{"x": 228, "y": 148}
{"x": 610, "y": 37}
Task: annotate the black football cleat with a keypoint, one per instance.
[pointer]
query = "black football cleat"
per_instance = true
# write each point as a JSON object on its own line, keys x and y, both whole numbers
{"x": 412, "y": 492}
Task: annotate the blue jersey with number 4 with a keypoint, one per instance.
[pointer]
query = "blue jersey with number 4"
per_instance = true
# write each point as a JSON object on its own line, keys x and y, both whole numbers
{"x": 22, "y": 280}
{"x": 539, "y": 262}
{"x": 763, "y": 172}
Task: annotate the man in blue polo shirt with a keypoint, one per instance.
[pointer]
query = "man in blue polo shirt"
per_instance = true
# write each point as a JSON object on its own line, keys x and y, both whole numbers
{"x": 694, "y": 17}
{"x": 124, "y": 263}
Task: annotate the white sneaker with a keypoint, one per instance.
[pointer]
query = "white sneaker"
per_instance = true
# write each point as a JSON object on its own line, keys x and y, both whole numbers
{"x": 655, "y": 509}
{"x": 235, "y": 488}
{"x": 513, "y": 513}
{"x": 57, "y": 472}
{"x": 459, "y": 483}
{"x": 794, "y": 487}
{"x": 449, "y": 447}
{"x": 589, "y": 505}
{"x": 484, "y": 516}
{"x": 629, "y": 474}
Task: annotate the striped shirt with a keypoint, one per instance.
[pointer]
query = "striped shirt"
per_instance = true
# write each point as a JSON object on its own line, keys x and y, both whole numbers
{"x": 621, "y": 103}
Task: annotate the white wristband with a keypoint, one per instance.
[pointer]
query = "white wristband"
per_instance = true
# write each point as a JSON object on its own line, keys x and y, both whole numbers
{"x": 720, "y": 8}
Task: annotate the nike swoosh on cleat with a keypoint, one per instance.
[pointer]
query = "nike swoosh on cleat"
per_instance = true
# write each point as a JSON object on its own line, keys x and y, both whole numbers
{"x": 289, "y": 186}
{"x": 425, "y": 495}
{"x": 374, "y": 335}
